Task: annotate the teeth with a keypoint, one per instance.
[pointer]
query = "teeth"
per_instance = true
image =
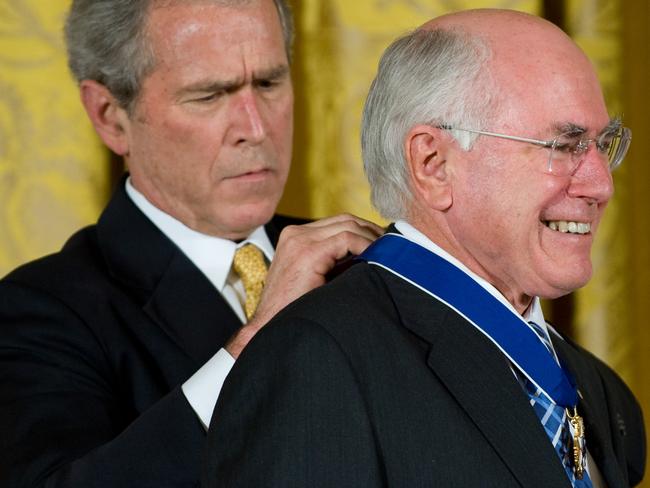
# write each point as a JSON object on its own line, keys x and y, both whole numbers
{"x": 569, "y": 226}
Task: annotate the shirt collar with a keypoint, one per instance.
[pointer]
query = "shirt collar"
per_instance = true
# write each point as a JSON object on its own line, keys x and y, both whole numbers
{"x": 212, "y": 255}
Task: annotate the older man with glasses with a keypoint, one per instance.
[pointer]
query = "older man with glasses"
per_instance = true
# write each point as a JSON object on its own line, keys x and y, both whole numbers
{"x": 486, "y": 139}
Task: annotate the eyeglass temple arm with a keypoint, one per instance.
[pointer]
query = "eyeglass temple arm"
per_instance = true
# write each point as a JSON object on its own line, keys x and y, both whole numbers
{"x": 502, "y": 136}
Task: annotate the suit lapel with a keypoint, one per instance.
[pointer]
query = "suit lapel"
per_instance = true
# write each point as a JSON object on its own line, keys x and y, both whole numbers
{"x": 190, "y": 311}
{"x": 172, "y": 291}
{"x": 479, "y": 377}
{"x": 593, "y": 407}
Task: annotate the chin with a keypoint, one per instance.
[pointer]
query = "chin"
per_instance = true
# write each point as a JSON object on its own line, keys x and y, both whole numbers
{"x": 246, "y": 221}
{"x": 564, "y": 285}
{"x": 561, "y": 275}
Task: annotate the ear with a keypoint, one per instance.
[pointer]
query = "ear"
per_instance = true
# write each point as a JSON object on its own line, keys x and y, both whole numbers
{"x": 109, "y": 119}
{"x": 426, "y": 150}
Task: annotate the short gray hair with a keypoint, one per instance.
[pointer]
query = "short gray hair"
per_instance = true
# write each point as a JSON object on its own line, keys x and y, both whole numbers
{"x": 436, "y": 77}
{"x": 107, "y": 42}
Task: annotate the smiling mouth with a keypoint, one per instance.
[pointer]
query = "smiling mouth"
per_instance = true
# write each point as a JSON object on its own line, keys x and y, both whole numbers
{"x": 568, "y": 226}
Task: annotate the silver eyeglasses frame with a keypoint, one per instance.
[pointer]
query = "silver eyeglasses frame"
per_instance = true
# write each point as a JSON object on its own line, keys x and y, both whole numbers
{"x": 616, "y": 151}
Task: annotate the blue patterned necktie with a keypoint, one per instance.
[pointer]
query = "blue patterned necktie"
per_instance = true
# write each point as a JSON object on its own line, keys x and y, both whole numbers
{"x": 554, "y": 419}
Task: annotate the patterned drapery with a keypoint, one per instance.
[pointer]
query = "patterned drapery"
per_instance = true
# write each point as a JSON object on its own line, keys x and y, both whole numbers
{"x": 611, "y": 311}
{"x": 53, "y": 171}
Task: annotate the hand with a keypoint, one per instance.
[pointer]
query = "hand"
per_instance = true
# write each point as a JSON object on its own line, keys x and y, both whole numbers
{"x": 305, "y": 254}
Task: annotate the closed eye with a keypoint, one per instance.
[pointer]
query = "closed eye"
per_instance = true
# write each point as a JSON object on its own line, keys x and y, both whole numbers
{"x": 566, "y": 146}
{"x": 209, "y": 97}
{"x": 569, "y": 142}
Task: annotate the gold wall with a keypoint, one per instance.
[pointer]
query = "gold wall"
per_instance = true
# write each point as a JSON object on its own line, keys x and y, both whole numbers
{"x": 636, "y": 223}
{"x": 611, "y": 311}
{"x": 53, "y": 171}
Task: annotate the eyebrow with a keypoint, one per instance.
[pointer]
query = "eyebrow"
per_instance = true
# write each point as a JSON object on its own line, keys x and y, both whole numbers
{"x": 615, "y": 123}
{"x": 577, "y": 130}
{"x": 208, "y": 86}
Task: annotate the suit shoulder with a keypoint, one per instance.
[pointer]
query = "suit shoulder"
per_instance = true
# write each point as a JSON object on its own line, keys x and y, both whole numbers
{"x": 69, "y": 270}
{"x": 356, "y": 306}
{"x": 360, "y": 288}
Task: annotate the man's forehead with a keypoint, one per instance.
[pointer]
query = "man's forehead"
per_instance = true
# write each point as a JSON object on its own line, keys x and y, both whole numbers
{"x": 170, "y": 22}
{"x": 213, "y": 27}
{"x": 176, "y": 14}
{"x": 555, "y": 92}
{"x": 222, "y": 3}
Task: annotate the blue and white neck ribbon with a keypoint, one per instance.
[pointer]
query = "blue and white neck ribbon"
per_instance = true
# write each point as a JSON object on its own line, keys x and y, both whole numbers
{"x": 453, "y": 287}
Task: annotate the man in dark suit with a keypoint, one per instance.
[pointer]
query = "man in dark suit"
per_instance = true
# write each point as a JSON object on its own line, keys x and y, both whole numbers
{"x": 486, "y": 139}
{"x": 112, "y": 351}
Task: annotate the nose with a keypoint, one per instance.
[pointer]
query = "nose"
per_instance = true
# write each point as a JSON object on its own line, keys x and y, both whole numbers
{"x": 592, "y": 178}
{"x": 248, "y": 126}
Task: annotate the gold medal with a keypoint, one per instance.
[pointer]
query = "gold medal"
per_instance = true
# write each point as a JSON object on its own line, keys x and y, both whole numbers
{"x": 578, "y": 442}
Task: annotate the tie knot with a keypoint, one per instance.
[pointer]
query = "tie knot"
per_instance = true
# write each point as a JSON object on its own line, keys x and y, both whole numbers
{"x": 250, "y": 265}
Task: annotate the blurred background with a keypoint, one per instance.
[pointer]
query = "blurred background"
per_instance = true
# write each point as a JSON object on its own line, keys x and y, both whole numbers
{"x": 55, "y": 176}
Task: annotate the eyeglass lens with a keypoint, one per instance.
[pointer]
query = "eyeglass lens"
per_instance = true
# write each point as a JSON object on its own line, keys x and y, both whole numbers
{"x": 568, "y": 150}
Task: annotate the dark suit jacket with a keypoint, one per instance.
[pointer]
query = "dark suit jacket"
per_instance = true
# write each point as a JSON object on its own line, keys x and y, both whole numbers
{"x": 95, "y": 342}
{"x": 369, "y": 382}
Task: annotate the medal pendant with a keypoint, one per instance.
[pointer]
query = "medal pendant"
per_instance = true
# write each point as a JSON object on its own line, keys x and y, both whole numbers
{"x": 578, "y": 442}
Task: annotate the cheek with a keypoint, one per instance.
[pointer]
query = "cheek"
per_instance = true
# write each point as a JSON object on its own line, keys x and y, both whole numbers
{"x": 281, "y": 124}
{"x": 485, "y": 200}
{"x": 188, "y": 134}
{"x": 501, "y": 213}
{"x": 194, "y": 145}
{"x": 281, "y": 138}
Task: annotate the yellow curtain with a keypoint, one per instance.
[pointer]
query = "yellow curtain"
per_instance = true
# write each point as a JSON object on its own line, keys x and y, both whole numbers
{"x": 634, "y": 87}
{"x": 611, "y": 311}
{"x": 602, "y": 302}
{"x": 53, "y": 171}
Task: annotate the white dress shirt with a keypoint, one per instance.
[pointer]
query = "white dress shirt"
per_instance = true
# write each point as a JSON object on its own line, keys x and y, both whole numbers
{"x": 213, "y": 257}
{"x": 534, "y": 313}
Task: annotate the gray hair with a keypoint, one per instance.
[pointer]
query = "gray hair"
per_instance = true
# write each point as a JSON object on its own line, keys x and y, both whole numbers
{"x": 435, "y": 77}
{"x": 107, "y": 42}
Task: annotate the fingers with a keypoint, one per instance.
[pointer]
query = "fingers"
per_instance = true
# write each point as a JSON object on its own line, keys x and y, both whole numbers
{"x": 343, "y": 218}
{"x": 304, "y": 256}
{"x": 315, "y": 233}
{"x": 306, "y": 253}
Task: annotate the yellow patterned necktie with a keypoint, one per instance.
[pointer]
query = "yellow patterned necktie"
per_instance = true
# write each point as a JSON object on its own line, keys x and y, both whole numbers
{"x": 249, "y": 264}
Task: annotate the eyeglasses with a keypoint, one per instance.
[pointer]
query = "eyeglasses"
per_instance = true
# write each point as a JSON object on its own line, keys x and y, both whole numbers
{"x": 567, "y": 150}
